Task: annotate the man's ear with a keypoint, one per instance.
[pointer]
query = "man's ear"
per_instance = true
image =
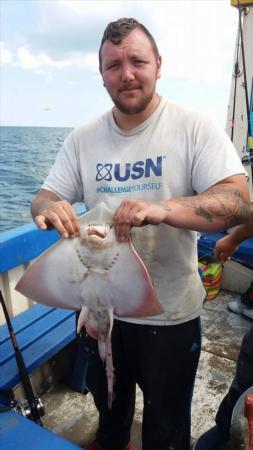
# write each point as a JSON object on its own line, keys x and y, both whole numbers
{"x": 159, "y": 66}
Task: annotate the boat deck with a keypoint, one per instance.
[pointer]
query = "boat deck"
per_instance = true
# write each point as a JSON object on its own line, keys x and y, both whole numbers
{"x": 74, "y": 416}
{"x": 222, "y": 335}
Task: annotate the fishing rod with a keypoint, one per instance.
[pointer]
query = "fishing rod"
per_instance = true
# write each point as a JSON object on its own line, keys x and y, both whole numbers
{"x": 32, "y": 407}
{"x": 237, "y": 73}
{"x": 250, "y": 135}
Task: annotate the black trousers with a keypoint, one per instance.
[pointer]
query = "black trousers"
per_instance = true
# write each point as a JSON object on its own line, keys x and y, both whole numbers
{"x": 163, "y": 361}
{"x": 242, "y": 381}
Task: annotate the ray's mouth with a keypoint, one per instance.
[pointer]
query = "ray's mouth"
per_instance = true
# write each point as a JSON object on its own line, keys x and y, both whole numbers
{"x": 96, "y": 232}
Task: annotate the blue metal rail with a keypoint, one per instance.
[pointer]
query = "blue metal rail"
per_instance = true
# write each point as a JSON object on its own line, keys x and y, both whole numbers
{"x": 21, "y": 245}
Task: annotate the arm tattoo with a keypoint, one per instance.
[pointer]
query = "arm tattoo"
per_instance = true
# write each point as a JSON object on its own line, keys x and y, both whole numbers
{"x": 200, "y": 211}
{"x": 166, "y": 208}
{"x": 220, "y": 203}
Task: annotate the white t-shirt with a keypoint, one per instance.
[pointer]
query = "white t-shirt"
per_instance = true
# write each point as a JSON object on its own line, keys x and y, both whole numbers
{"x": 174, "y": 153}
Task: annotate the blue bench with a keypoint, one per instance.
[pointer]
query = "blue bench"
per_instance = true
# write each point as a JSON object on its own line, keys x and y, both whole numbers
{"x": 17, "y": 432}
{"x": 41, "y": 333}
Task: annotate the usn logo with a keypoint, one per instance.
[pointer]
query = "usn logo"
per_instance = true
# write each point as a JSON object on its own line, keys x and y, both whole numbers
{"x": 124, "y": 172}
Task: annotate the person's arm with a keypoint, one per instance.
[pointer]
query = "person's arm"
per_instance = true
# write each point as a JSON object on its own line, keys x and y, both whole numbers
{"x": 224, "y": 205}
{"x": 226, "y": 246}
{"x": 50, "y": 211}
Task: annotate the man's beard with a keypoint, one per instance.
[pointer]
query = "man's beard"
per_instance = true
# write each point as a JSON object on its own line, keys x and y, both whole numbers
{"x": 131, "y": 110}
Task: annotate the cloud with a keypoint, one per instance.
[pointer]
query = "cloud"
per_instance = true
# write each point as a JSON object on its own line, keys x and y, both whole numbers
{"x": 70, "y": 25}
{"x": 37, "y": 62}
{"x": 59, "y": 39}
{"x": 44, "y": 64}
{"x": 67, "y": 26}
{"x": 90, "y": 8}
{"x": 195, "y": 38}
{"x": 5, "y": 54}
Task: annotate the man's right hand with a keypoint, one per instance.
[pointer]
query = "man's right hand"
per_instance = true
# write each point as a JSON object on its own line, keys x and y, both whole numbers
{"x": 49, "y": 211}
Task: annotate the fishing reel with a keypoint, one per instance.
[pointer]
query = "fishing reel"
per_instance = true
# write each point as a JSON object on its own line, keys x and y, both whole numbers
{"x": 32, "y": 411}
{"x": 247, "y": 160}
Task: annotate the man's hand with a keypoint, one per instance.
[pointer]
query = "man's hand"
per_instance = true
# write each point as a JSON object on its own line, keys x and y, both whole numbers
{"x": 49, "y": 211}
{"x": 61, "y": 216}
{"x": 137, "y": 213}
{"x": 225, "y": 248}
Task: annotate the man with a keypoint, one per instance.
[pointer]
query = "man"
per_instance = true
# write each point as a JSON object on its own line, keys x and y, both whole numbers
{"x": 146, "y": 148}
{"x": 224, "y": 249}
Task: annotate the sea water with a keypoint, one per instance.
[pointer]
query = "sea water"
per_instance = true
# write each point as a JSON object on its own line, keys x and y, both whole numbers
{"x": 26, "y": 155}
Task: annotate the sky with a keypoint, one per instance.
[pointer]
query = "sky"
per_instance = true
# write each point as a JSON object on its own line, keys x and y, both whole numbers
{"x": 49, "y": 56}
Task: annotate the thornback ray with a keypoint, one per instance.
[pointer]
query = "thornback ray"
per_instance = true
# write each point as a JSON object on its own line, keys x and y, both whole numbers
{"x": 96, "y": 274}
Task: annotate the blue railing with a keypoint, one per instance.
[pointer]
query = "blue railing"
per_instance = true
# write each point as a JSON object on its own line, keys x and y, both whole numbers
{"x": 24, "y": 243}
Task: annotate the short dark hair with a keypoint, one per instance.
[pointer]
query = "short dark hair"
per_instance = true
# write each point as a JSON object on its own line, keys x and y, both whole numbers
{"x": 117, "y": 30}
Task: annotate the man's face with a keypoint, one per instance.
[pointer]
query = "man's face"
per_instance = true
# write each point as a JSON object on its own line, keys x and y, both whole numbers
{"x": 130, "y": 70}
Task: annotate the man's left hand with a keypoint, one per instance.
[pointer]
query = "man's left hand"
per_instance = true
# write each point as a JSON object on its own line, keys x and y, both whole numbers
{"x": 137, "y": 213}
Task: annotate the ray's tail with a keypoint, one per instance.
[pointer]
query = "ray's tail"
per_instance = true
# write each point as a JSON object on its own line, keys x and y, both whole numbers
{"x": 99, "y": 325}
{"x": 109, "y": 371}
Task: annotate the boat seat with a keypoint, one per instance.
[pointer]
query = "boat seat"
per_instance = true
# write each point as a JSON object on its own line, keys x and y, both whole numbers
{"x": 41, "y": 332}
{"x": 17, "y": 432}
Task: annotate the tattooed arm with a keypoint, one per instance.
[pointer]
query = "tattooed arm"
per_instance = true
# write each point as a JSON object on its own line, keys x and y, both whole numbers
{"x": 224, "y": 205}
